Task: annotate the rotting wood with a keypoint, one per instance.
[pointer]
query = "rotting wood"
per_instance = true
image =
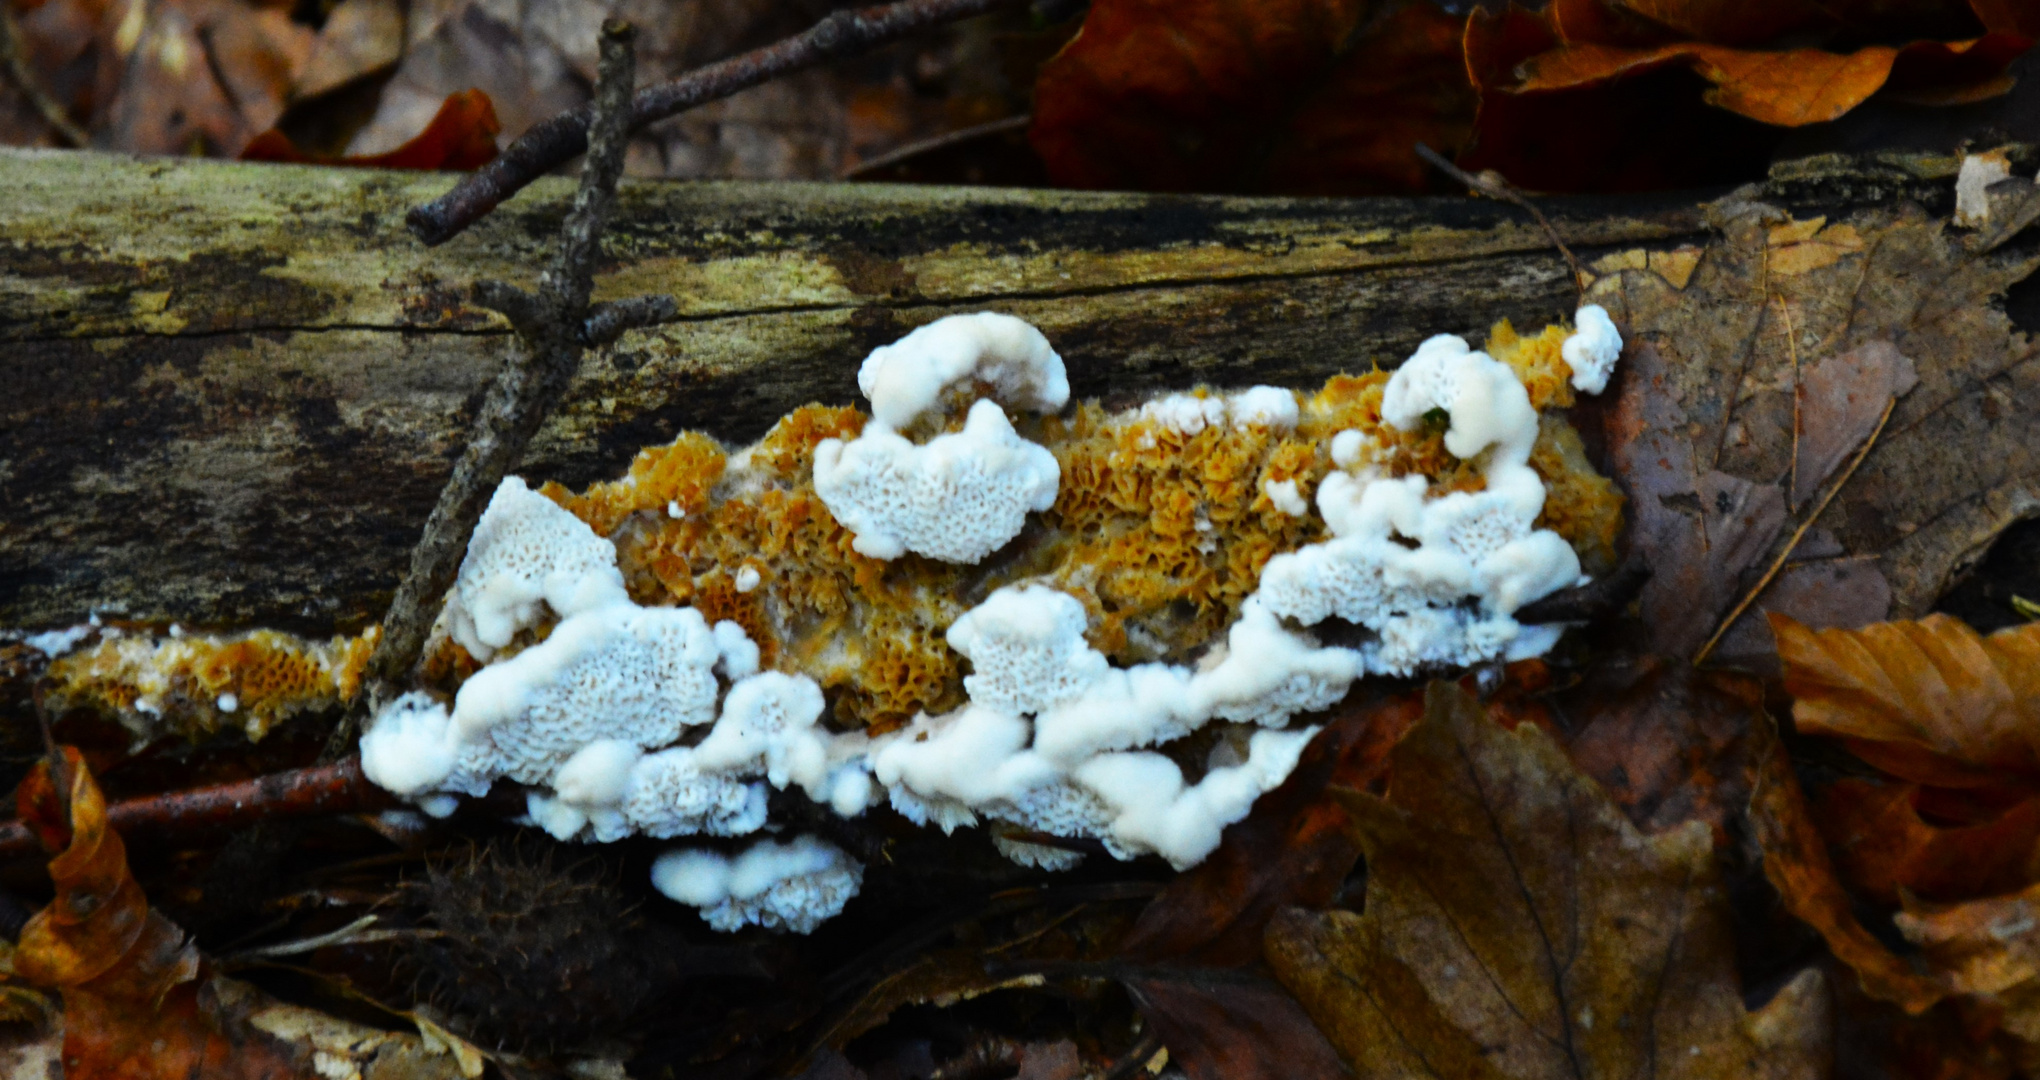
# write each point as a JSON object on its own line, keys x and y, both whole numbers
{"x": 236, "y": 389}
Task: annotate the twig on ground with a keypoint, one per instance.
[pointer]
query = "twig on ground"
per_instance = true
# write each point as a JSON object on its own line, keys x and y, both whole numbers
{"x": 551, "y": 143}
{"x": 1798, "y": 399}
{"x": 1492, "y": 185}
{"x": 23, "y": 76}
{"x": 1798, "y": 534}
{"x": 359, "y": 932}
{"x": 552, "y": 330}
{"x": 338, "y": 788}
{"x": 1592, "y": 600}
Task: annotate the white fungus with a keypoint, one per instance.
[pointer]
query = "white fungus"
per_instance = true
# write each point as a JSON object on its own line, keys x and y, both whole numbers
{"x": 227, "y": 703}
{"x": 958, "y": 498}
{"x": 525, "y": 550}
{"x": 1592, "y": 349}
{"x": 408, "y": 750}
{"x": 1263, "y": 406}
{"x": 1284, "y": 495}
{"x": 1053, "y": 738}
{"x": 55, "y": 643}
{"x": 793, "y": 886}
{"x": 907, "y": 378}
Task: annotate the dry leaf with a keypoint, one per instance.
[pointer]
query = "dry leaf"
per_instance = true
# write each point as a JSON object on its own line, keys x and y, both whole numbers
{"x": 1844, "y": 398}
{"x": 1882, "y": 845}
{"x": 1292, "y": 849}
{"x": 1699, "y": 528}
{"x": 1668, "y": 743}
{"x": 1232, "y": 1026}
{"x": 135, "y": 1007}
{"x": 1931, "y": 701}
{"x": 360, "y": 37}
{"x": 1710, "y": 390}
{"x": 1294, "y": 96}
{"x": 1797, "y": 864}
{"x": 1517, "y": 924}
{"x": 461, "y": 136}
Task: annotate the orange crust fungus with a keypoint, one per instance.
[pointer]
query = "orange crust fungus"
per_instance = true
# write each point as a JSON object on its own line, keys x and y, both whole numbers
{"x": 1160, "y": 533}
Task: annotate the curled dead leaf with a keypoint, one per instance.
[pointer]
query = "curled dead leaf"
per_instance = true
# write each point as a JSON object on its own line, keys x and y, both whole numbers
{"x": 135, "y": 1006}
{"x": 1517, "y": 924}
{"x": 1884, "y": 847}
{"x": 1796, "y": 862}
{"x": 1929, "y": 700}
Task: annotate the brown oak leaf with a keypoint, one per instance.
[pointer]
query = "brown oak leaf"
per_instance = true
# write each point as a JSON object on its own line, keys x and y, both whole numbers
{"x": 1518, "y": 925}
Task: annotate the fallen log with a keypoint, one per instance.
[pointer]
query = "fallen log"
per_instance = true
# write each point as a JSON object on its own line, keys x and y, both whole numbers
{"x": 235, "y": 390}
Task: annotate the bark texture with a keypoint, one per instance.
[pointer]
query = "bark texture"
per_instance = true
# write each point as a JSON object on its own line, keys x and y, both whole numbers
{"x": 233, "y": 391}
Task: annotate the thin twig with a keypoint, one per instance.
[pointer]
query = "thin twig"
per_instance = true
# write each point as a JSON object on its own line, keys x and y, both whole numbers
{"x": 23, "y": 76}
{"x": 607, "y": 322}
{"x": 550, "y": 327}
{"x": 339, "y": 788}
{"x": 358, "y": 932}
{"x": 551, "y": 143}
{"x": 1798, "y": 534}
{"x": 1492, "y": 185}
{"x": 1792, "y": 345}
{"x": 938, "y": 142}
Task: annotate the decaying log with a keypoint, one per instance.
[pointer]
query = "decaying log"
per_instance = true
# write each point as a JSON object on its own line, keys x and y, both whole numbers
{"x": 233, "y": 391}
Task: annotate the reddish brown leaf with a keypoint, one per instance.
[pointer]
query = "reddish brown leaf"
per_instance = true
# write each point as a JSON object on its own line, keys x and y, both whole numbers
{"x": 1931, "y": 700}
{"x": 1669, "y": 743}
{"x": 1295, "y": 96}
{"x": 1797, "y": 864}
{"x": 1228, "y": 1026}
{"x": 462, "y": 136}
{"x": 134, "y": 1005}
{"x": 1883, "y": 845}
{"x": 1292, "y": 850}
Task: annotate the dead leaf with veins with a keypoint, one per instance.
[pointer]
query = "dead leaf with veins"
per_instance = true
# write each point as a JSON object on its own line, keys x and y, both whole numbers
{"x": 1518, "y": 925}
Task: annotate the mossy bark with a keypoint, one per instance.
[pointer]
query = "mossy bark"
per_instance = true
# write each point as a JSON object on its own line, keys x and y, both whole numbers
{"x": 233, "y": 391}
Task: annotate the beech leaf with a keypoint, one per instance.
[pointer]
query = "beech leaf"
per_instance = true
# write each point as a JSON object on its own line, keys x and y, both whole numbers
{"x": 1882, "y": 844}
{"x": 1930, "y": 700}
{"x": 1518, "y": 925}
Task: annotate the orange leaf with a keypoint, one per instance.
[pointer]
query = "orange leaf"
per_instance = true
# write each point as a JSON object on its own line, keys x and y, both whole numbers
{"x": 134, "y": 1006}
{"x": 1789, "y": 88}
{"x": 1294, "y": 96}
{"x": 461, "y": 137}
{"x": 1796, "y": 862}
{"x": 1558, "y": 140}
{"x": 1931, "y": 700}
{"x": 1883, "y": 845}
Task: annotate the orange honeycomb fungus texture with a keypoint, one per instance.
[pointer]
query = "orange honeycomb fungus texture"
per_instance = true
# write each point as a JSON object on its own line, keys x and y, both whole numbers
{"x": 179, "y": 685}
{"x": 1161, "y": 534}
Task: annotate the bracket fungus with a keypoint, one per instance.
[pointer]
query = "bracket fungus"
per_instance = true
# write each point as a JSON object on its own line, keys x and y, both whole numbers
{"x": 852, "y": 608}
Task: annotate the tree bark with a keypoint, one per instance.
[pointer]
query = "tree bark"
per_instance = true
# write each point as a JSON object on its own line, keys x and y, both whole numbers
{"x": 233, "y": 391}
